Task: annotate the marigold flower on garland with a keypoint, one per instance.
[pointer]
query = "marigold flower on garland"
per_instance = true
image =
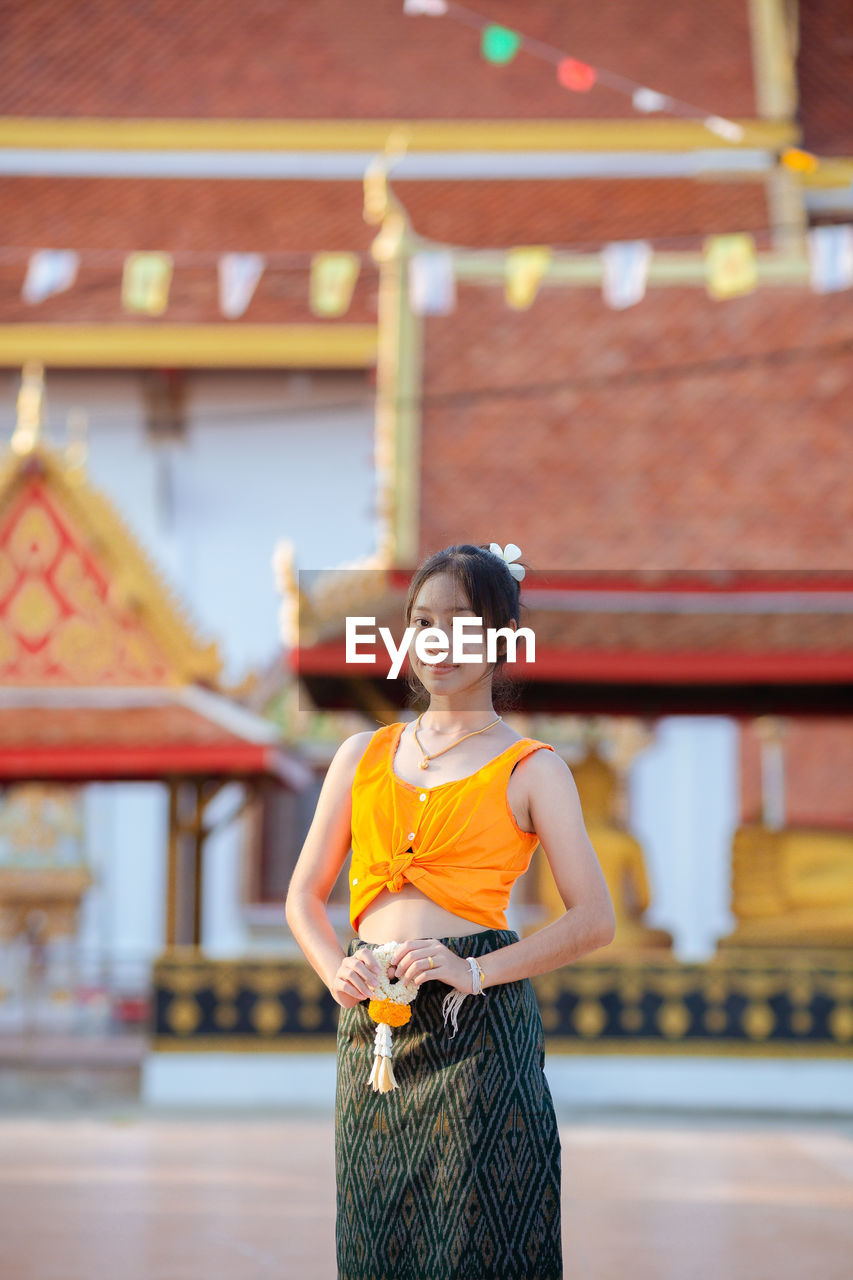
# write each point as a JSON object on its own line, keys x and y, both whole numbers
{"x": 392, "y": 1010}
{"x": 396, "y": 1015}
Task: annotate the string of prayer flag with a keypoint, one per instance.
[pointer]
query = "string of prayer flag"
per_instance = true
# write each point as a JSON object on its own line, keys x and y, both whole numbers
{"x": 499, "y": 46}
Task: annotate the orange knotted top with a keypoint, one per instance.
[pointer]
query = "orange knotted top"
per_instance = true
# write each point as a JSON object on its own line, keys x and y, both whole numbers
{"x": 458, "y": 842}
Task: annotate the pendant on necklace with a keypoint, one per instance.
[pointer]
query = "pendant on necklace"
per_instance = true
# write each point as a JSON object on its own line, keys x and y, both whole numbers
{"x": 425, "y": 764}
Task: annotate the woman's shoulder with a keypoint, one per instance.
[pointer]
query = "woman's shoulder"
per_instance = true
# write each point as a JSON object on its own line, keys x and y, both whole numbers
{"x": 537, "y": 757}
{"x": 532, "y": 746}
{"x": 354, "y": 748}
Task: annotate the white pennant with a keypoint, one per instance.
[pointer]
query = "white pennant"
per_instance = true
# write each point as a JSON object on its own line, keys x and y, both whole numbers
{"x": 432, "y": 8}
{"x": 831, "y": 258}
{"x": 239, "y": 274}
{"x": 432, "y": 283}
{"x": 49, "y": 271}
{"x": 649, "y": 100}
{"x": 625, "y": 270}
{"x": 724, "y": 128}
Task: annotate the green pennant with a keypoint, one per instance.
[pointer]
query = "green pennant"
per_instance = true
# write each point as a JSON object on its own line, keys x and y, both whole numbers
{"x": 499, "y": 44}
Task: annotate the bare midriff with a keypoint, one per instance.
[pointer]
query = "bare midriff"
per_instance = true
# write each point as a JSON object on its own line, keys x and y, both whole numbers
{"x": 399, "y": 917}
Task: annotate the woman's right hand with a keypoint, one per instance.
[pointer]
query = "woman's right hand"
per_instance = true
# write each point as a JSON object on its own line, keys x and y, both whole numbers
{"x": 356, "y": 978}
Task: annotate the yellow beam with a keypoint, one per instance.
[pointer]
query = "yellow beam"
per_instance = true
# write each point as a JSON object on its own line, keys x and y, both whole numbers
{"x": 637, "y": 134}
{"x": 488, "y": 266}
{"x": 316, "y": 346}
{"x": 835, "y": 172}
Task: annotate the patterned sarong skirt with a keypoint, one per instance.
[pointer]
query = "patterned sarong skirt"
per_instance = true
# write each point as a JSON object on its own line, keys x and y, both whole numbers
{"x": 455, "y": 1175}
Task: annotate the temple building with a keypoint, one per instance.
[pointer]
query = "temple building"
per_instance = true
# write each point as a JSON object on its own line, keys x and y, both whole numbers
{"x": 345, "y": 287}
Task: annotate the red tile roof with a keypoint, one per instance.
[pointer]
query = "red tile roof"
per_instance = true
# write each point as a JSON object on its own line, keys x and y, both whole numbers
{"x": 130, "y": 742}
{"x": 647, "y": 438}
{"x": 164, "y": 723}
{"x": 634, "y": 643}
{"x": 350, "y": 59}
{"x": 825, "y": 74}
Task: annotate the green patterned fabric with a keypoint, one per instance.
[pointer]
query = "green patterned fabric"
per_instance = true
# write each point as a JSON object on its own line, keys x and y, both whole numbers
{"x": 455, "y": 1175}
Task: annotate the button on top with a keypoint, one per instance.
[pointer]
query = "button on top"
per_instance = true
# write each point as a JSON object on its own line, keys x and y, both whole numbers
{"x": 355, "y": 881}
{"x": 410, "y": 836}
{"x": 423, "y": 795}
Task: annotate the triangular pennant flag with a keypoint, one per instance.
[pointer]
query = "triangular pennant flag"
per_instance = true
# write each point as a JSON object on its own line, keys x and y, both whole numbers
{"x": 798, "y": 161}
{"x": 649, "y": 100}
{"x": 724, "y": 128}
{"x": 432, "y": 8}
{"x": 432, "y": 283}
{"x": 577, "y": 76}
{"x": 239, "y": 274}
{"x": 625, "y": 270}
{"x": 525, "y": 268}
{"x": 145, "y": 282}
{"x": 831, "y": 258}
{"x": 730, "y": 265}
{"x": 333, "y": 277}
{"x": 499, "y": 44}
{"x": 49, "y": 271}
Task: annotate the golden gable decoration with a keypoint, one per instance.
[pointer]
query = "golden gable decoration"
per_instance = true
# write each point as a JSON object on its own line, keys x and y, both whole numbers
{"x": 80, "y": 603}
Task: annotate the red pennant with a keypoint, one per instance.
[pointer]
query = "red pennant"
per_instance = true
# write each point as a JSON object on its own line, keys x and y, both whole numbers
{"x": 578, "y": 76}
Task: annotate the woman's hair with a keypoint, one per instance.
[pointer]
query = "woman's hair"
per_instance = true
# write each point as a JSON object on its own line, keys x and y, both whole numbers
{"x": 493, "y": 594}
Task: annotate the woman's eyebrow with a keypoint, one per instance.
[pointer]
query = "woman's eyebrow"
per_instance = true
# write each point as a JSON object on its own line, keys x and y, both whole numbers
{"x": 458, "y": 608}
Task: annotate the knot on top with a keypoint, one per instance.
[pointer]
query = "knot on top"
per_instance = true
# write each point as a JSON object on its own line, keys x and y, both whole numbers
{"x": 391, "y": 870}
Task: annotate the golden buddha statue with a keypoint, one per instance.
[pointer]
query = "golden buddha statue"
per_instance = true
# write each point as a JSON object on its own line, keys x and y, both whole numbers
{"x": 620, "y": 855}
{"x": 791, "y": 886}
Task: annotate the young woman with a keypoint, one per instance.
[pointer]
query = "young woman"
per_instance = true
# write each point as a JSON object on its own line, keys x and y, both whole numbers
{"x": 455, "y": 1173}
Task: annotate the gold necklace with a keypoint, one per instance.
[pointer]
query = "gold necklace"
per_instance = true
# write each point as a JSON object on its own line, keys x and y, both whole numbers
{"x": 427, "y": 756}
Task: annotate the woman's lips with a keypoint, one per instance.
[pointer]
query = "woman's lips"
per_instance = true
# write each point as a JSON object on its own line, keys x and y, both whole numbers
{"x": 442, "y": 669}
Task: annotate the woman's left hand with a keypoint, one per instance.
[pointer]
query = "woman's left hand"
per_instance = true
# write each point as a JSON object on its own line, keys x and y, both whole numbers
{"x": 411, "y": 964}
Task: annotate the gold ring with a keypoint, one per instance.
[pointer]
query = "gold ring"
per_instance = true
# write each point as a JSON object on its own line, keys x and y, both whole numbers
{"x": 431, "y": 965}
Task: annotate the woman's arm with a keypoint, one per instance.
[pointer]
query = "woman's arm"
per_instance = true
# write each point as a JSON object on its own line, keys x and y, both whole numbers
{"x": 318, "y": 866}
{"x": 589, "y": 921}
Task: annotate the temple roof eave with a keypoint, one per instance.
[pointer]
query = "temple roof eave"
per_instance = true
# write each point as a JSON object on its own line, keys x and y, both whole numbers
{"x": 135, "y": 734}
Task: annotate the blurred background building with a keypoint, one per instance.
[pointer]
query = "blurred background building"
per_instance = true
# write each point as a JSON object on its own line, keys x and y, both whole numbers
{"x": 333, "y": 286}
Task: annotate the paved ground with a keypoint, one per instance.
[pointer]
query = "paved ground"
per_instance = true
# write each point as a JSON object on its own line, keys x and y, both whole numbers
{"x": 107, "y": 1190}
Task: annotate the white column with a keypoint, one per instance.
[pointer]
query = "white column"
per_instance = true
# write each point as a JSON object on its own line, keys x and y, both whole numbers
{"x": 224, "y": 931}
{"x": 683, "y": 802}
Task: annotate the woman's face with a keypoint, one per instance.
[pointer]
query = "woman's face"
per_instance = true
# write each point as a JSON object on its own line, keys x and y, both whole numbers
{"x": 440, "y": 599}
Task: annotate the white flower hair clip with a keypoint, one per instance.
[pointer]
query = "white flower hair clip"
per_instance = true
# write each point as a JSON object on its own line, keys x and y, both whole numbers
{"x": 509, "y": 553}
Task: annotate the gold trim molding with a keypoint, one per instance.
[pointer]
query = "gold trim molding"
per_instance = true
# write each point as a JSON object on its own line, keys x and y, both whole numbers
{"x": 836, "y": 171}
{"x": 564, "y": 1046}
{"x": 371, "y": 135}
{"x": 308, "y": 346}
